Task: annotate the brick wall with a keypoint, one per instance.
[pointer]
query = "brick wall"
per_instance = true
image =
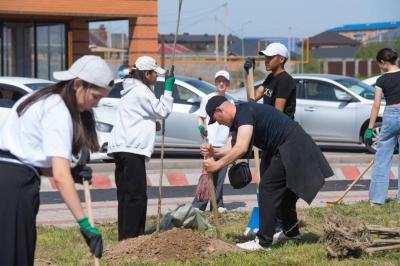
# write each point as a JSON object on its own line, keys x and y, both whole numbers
{"x": 142, "y": 16}
{"x": 87, "y": 8}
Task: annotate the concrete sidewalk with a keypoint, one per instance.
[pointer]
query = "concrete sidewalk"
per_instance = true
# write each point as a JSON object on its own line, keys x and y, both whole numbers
{"x": 106, "y": 211}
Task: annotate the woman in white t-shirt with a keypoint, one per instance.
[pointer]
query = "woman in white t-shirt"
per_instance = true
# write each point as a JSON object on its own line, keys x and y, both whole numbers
{"x": 38, "y": 137}
{"x": 217, "y": 135}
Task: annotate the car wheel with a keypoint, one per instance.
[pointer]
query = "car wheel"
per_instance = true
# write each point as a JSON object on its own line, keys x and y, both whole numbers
{"x": 108, "y": 160}
{"x": 82, "y": 157}
{"x": 375, "y": 134}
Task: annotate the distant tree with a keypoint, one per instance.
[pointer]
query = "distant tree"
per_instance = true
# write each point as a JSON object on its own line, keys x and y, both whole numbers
{"x": 369, "y": 50}
{"x": 313, "y": 65}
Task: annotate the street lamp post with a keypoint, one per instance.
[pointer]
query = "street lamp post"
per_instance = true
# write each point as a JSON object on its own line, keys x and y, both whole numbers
{"x": 244, "y": 79}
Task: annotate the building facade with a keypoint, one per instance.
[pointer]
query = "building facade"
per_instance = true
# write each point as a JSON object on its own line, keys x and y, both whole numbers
{"x": 363, "y": 32}
{"x": 40, "y": 37}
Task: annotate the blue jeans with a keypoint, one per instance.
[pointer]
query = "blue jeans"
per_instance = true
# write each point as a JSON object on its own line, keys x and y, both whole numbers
{"x": 383, "y": 159}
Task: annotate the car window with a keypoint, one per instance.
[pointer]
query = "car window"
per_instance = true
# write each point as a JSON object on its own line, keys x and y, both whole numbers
{"x": 207, "y": 88}
{"x": 116, "y": 91}
{"x": 322, "y": 92}
{"x": 36, "y": 86}
{"x": 299, "y": 88}
{"x": 183, "y": 94}
{"x": 9, "y": 95}
{"x": 179, "y": 93}
{"x": 364, "y": 90}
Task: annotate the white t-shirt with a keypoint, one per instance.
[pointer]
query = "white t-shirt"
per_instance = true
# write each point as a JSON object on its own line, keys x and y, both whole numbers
{"x": 43, "y": 131}
{"x": 217, "y": 134}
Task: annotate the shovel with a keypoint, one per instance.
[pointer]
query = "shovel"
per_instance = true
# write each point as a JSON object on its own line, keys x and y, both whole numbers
{"x": 333, "y": 203}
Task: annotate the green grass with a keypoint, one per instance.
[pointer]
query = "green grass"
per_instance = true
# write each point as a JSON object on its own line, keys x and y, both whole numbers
{"x": 66, "y": 246}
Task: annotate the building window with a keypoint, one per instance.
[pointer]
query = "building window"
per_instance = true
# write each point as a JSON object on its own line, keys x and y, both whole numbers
{"x": 32, "y": 49}
{"x": 18, "y": 45}
{"x": 50, "y": 49}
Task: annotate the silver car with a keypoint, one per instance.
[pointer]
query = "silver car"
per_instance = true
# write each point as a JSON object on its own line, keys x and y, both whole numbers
{"x": 333, "y": 108}
{"x": 181, "y": 129}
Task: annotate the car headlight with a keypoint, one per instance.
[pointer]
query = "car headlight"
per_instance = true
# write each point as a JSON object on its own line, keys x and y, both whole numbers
{"x": 103, "y": 127}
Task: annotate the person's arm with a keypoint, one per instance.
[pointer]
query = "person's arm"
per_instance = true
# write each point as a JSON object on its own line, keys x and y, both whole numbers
{"x": 280, "y": 104}
{"x": 244, "y": 136}
{"x": 375, "y": 108}
{"x": 208, "y": 150}
{"x": 65, "y": 184}
{"x": 258, "y": 94}
{"x": 200, "y": 121}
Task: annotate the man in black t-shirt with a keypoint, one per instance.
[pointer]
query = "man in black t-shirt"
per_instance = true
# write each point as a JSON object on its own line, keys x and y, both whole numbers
{"x": 297, "y": 161}
{"x": 278, "y": 90}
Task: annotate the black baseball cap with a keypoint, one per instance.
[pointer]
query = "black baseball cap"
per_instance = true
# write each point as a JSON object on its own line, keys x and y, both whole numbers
{"x": 212, "y": 104}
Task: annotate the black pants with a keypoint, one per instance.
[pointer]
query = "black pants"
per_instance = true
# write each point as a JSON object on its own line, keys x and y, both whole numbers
{"x": 130, "y": 178}
{"x": 19, "y": 205}
{"x": 218, "y": 180}
{"x": 266, "y": 158}
{"x": 274, "y": 197}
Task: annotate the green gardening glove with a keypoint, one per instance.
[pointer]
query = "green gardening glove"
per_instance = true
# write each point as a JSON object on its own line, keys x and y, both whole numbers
{"x": 368, "y": 137}
{"x": 368, "y": 133}
{"x": 92, "y": 236}
{"x": 203, "y": 131}
{"x": 169, "y": 79}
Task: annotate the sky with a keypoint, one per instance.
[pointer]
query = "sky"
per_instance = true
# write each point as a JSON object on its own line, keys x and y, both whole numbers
{"x": 266, "y": 18}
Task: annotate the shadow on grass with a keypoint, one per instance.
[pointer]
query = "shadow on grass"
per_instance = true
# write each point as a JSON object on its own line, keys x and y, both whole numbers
{"x": 234, "y": 205}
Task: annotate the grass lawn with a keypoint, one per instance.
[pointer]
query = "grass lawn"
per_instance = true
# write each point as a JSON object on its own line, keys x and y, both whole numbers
{"x": 66, "y": 246}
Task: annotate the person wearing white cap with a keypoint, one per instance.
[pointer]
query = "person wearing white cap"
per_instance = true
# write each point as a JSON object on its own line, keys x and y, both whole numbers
{"x": 132, "y": 140}
{"x": 278, "y": 90}
{"x": 38, "y": 137}
{"x": 217, "y": 135}
{"x": 124, "y": 68}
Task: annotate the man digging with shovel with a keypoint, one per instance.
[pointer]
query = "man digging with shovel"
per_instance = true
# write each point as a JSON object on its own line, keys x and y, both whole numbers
{"x": 297, "y": 169}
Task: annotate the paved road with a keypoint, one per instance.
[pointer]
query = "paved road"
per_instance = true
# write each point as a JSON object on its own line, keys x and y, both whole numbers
{"x": 53, "y": 197}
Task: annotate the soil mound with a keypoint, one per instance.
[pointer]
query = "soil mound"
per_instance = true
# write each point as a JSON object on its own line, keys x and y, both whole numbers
{"x": 174, "y": 245}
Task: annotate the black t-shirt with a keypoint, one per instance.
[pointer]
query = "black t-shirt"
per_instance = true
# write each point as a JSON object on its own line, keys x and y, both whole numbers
{"x": 389, "y": 83}
{"x": 281, "y": 86}
{"x": 269, "y": 126}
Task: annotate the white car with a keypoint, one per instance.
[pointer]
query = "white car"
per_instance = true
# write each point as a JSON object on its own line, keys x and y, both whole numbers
{"x": 332, "y": 108}
{"x": 371, "y": 81}
{"x": 13, "y": 88}
{"x": 181, "y": 129}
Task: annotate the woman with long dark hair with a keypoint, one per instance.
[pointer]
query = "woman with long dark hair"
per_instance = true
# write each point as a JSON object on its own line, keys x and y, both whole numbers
{"x": 389, "y": 85}
{"x": 41, "y": 132}
{"x": 132, "y": 141}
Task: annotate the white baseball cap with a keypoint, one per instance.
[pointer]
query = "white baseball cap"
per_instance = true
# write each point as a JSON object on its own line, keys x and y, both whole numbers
{"x": 223, "y": 73}
{"x": 89, "y": 68}
{"x": 275, "y": 48}
{"x": 148, "y": 63}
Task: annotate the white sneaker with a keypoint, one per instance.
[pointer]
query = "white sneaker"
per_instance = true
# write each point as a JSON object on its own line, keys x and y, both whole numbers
{"x": 222, "y": 209}
{"x": 281, "y": 236}
{"x": 252, "y": 245}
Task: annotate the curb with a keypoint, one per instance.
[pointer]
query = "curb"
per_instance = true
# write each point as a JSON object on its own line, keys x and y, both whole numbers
{"x": 187, "y": 177}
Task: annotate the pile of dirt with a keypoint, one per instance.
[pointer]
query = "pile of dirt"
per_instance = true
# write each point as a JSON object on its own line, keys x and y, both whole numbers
{"x": 174, "y": 245}
{"x": 342, "y": 237}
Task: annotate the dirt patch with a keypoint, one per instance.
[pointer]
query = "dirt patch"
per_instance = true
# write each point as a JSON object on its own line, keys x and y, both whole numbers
{"x": 43, "y": 262}
{"x": 173, "y": 245}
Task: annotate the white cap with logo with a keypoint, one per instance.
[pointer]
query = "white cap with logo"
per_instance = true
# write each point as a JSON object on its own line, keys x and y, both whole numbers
{"x": 148, "y": 63}
{"x": 275, "y": 48}
{"x": 223, "y": 73}
{"x": 91, "y": 69}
